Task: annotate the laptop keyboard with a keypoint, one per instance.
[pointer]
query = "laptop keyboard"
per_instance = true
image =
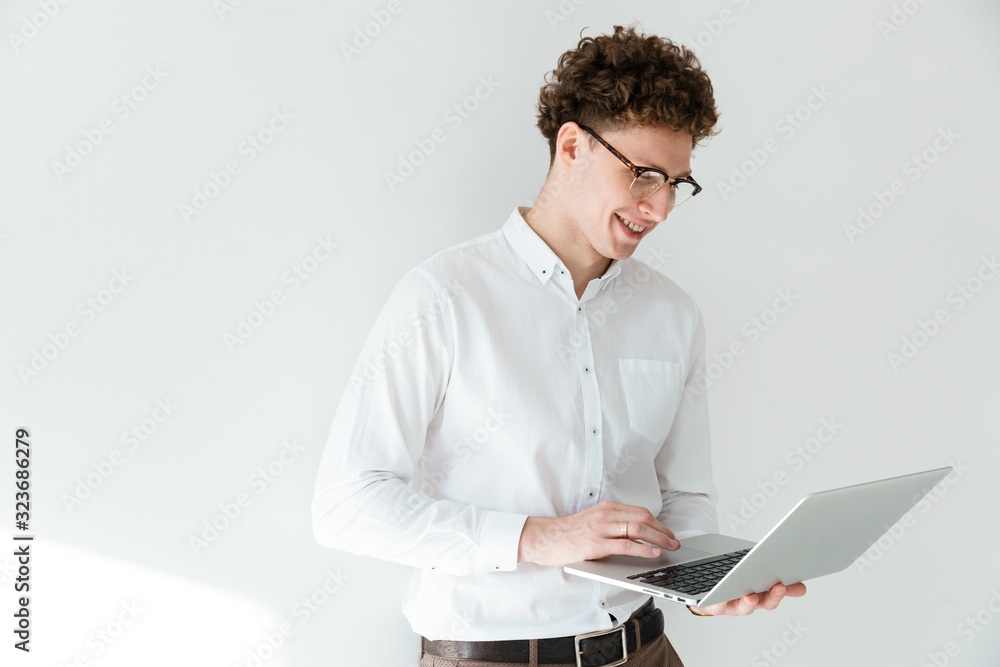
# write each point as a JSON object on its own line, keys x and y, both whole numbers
{"x": 699, "y": 576}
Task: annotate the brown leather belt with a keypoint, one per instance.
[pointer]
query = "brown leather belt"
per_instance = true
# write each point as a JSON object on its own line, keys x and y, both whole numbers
{"x": 593, "y": 649}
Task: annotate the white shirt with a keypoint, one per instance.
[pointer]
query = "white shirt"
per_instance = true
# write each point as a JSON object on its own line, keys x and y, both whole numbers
{"x": 487, "y": 393}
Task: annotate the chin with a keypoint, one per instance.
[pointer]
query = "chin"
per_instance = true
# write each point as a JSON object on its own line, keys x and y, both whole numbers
{"x": 624, "y": 253}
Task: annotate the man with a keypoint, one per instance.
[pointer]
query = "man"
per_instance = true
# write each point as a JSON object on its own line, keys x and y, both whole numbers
{"x": 527, "y": 399}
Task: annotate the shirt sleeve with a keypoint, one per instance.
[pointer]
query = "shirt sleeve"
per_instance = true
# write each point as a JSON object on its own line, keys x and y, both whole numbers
{"x": 363, "y": 502}
{"x": 684, "y": 462}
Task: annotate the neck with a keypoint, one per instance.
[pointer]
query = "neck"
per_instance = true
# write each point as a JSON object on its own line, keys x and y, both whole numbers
{"x": 554, "y": 225}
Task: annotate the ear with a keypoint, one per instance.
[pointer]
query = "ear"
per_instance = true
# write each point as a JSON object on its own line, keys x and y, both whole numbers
{"x": 569, "y": 143}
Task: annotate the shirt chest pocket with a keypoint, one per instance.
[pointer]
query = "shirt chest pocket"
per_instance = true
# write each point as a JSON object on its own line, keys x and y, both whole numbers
{"x": 652, "y": 393}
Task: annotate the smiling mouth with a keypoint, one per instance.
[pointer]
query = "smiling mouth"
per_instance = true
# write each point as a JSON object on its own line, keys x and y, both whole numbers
{"x": 636, "y": 231}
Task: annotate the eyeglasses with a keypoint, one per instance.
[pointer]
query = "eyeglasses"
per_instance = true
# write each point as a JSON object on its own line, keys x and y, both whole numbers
{"x": 648, "y": 180}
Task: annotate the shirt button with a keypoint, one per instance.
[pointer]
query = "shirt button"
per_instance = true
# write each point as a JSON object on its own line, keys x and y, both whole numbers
{"x": 586, "y": 369}
{"x": 591, "y": 494}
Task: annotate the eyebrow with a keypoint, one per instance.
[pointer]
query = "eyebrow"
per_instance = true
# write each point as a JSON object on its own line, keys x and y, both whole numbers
{"x": 683, "y": 174}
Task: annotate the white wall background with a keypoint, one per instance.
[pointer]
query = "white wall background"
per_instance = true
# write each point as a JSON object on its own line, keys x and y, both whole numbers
{"x": 121, "y": 552}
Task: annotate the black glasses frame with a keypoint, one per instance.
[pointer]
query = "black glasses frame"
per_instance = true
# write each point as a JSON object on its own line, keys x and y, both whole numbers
{"x": 638, "y": 171}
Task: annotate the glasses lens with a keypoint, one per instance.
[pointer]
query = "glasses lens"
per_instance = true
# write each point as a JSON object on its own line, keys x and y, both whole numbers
{"x": 646, "y": 184}
{"x": 680, "y": 192}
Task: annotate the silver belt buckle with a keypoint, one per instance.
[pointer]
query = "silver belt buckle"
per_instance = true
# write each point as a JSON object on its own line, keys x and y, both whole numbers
{"x": 598, "y": 633}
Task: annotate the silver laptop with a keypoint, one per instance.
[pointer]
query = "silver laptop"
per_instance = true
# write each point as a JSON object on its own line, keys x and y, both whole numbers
{"x": 824, "y": 533}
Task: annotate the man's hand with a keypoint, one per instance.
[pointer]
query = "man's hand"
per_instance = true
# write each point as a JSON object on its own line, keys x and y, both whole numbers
{"x": 748, "y": 603}
{"x": 593, "y": 533}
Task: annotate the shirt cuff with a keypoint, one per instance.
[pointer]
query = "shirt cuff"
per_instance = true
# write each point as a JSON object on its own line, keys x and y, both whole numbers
{"x": 499, "y": 540}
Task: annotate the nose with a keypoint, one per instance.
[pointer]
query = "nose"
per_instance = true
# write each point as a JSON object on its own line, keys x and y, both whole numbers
{"x": 657, "y": 205}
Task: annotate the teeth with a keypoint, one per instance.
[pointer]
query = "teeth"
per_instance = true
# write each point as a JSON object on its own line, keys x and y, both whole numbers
{"x": 634, "y": 228}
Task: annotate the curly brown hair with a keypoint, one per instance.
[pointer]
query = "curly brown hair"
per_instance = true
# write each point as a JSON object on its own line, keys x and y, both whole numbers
{"x": 610, "y": 82}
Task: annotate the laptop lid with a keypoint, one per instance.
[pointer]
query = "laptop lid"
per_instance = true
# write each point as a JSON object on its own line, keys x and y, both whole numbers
{"x": 825, "y": 532}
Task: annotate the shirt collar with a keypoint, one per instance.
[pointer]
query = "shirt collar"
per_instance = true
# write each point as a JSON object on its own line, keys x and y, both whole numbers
{"x": 536, "y": 253}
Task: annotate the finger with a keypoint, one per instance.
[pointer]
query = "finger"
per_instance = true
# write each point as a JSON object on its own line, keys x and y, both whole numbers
{"x": 744, "y": 605}
{"x": 611, "y": 505}
{"x": 655, "y": 525}
{"x": 796, "y": 590}
{"x": 718, "y": 609}
{"x": 617, "y": 545}
{"x": 642, "y": 531}
{"x": 648, "y": 528}
{"x": 637, "y": 513}
{"x": 772, "y": 598}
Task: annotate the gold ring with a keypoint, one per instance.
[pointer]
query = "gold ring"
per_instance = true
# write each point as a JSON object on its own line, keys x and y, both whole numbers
{"x": 624, "y": 534}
